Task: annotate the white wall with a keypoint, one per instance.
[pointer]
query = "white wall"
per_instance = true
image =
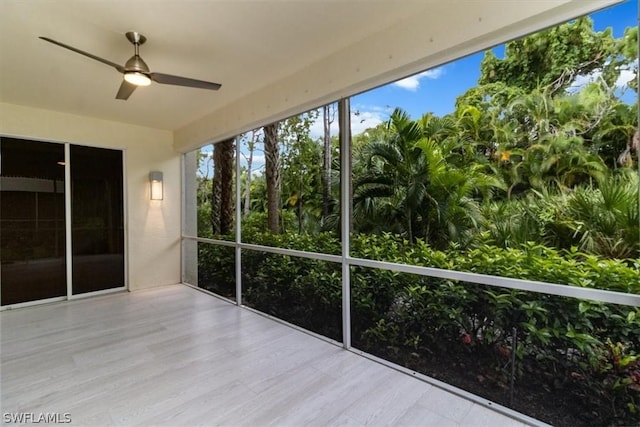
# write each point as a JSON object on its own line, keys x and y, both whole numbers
{"x": 153, "y": 226}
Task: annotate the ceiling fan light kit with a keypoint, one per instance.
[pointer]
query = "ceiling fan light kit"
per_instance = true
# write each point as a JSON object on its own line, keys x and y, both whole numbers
{"x": 136, "y": 78}
{"x": 135, "y": 70}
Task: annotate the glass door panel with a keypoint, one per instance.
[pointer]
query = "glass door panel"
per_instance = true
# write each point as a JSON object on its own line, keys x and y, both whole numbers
{"x": 97, "y": 224}
{"x": 32, "y": 221}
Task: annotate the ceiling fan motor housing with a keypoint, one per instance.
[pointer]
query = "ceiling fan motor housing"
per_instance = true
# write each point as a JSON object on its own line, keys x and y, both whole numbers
{"x": 136, "y": 64}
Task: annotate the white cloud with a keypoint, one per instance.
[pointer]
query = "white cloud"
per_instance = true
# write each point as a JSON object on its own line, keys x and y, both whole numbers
{"x": 626, "y": 76}
{"x": 582, "y": 80}
{"x": 362, "y": 118}
{"x": 412, "y": 83}
{"x": 365, "y": 120}
{"x": 627, "y": 73}
{"x": 257, "y": 163}
{"x": 316, "y": 130}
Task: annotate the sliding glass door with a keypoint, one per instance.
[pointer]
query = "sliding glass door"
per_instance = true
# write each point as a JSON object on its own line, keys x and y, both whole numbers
{"x": 97, "y": 226}
{"x": 32, "y": 221}
{"x": 34, "y": 238}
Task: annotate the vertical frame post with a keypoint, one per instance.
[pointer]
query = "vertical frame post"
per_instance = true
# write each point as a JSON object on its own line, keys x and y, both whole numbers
{"x": 67, "y": 218}
{"x": 237, "y": 248}
{"x": 183, "y": 214}
{"x": 125, "y": 219}
{"x": 344, "y": 120}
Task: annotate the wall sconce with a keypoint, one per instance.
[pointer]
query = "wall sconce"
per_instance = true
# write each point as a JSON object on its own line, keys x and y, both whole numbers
{"x": 155, "y": 182}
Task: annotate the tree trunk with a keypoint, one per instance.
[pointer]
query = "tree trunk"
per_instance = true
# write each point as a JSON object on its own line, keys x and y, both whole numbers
{"x": 222, "y": 188}
{"x": 410, "y": 225}
{"x": 272, "y": 172}
{"x": 247, "y": 184}
{"x": 326, "y": 165}
{"x": 216, "y": 193}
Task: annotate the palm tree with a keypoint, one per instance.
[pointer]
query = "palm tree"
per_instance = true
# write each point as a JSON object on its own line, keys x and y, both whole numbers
{"x": 251, "y": 147}
{"x": 550, "y": 149}
{"x": 614, "y": 139}
{"x": 272, "y": 172}
{"x": 560, "y": 162}
{"x": 222, "y": 188}
{"x": 605, "y": 220}
{"x": 453, "y": 207}
{"x": 410, "y": 184}
{"x": 328, "y": 115}
{"x": 393, "y": 182}
{"x": 601, "y": 221}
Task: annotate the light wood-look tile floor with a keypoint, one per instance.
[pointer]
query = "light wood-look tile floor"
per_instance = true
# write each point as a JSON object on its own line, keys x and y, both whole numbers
{"x": 176, "y": 356}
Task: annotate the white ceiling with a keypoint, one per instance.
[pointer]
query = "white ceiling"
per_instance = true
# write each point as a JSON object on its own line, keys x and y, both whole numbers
{"x": 244, "y": 45}
{"x": 272, "y": 57}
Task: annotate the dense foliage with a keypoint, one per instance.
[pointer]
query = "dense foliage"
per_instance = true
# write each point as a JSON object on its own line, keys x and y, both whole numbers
{"x": 533, "y": 176}
{"x": 584, "y": 353}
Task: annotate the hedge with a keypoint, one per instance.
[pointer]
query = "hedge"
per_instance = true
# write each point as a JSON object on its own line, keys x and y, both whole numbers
{"x": 583, "y": 351}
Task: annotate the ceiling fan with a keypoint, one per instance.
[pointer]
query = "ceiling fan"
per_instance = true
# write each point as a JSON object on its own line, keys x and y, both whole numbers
{"x": 136, "y": 72}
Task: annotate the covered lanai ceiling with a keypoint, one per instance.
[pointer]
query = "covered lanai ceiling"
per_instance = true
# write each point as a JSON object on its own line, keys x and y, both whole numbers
{"x": 253, "y": 48}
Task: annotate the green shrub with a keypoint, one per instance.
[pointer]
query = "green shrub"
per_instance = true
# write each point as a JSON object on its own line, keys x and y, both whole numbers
{"x": 587, "y": 350}
{"x": 302, "y": 291}
{"x": 597, "y": 220}
{"x": 216, "y": 269}
{"x": 561, "y": 342}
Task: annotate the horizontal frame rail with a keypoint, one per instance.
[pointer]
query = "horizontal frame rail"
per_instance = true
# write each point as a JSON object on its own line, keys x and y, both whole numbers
{"x": 599, "y": 295}
{"x": 212, "y": 241}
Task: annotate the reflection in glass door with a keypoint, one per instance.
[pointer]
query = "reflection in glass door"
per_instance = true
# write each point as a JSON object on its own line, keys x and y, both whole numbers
{"x": 97, "y": 225}
{"x": 54, "y": 244}
{"x": 32, "y": 221}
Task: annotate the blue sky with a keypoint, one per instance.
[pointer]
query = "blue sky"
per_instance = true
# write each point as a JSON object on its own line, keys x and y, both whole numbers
{"x": 436, "y": 90}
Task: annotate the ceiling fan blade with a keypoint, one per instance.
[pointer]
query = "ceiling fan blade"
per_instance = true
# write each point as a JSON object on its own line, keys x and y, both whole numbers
{"x": 125, "y": 91}
{"x": 87, "y": 54}
{"x": 168, "y": 79}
